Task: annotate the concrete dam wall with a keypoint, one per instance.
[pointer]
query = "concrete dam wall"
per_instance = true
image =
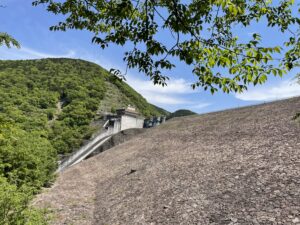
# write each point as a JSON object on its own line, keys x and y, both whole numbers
{"x": 125, "y": 119}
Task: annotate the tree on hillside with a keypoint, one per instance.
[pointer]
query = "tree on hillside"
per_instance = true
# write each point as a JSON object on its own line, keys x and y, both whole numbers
{"x": 197, "y": 32}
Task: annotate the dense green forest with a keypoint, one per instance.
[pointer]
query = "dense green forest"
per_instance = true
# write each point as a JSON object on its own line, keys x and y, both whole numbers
{"x": 181, "y": 112}
{"x": 46, "y": 108}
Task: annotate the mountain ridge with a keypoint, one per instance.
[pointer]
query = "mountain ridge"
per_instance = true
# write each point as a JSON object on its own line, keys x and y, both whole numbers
{"x": 33, "y": 88}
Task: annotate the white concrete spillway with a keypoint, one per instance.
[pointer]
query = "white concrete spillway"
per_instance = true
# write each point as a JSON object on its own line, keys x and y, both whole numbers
{"x": 87, "y": 149}
{"x": 125, "y": 120}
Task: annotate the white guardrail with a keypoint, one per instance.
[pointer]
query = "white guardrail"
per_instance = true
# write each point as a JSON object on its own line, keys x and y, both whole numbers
{"x": 87, "y": 149}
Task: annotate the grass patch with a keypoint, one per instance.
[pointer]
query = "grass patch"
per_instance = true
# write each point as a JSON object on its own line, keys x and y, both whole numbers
{"x": 297, "y": 116}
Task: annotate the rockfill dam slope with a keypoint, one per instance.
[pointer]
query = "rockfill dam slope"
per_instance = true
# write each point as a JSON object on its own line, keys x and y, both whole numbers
{"x": 239, "y": 166}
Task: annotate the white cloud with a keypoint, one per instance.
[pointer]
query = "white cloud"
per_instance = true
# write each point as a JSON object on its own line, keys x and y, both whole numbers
{"x": 28, "y": 53}
{"x": 172, "y": 94}
{"x": 176, "y": 86}
{"x": 201, "y": 105}
{"x": 283, "y": 90}
{"x": 164, "y": 99}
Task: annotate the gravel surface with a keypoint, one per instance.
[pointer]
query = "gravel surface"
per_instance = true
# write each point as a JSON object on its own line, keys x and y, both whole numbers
{"x": 233, "y": 167}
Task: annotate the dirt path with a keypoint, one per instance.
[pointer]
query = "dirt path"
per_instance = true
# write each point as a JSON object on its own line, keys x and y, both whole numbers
{"x": 57, "y": 112}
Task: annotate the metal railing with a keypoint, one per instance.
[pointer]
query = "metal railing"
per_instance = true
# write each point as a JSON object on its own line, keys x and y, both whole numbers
{"x": 87, "y": 149}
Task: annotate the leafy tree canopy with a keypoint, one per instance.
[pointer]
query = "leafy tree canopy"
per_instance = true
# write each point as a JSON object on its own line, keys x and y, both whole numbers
{"x": 7, "y": 40}
{"x": 201, "y": 32}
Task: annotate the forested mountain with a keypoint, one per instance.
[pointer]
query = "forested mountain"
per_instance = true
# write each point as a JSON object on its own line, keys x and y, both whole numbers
{"x": 181, "y": 112}
{"x": 46, "y": 108}
{"x": 33, "y": 91}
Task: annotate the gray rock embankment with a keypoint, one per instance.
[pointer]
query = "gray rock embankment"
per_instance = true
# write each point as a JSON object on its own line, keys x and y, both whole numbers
{"x": 236, "y": 167}
{"x": 117, "y": 139}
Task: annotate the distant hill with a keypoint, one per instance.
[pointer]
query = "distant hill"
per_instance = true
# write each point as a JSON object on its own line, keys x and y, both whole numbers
{"x": 181, "y": 112}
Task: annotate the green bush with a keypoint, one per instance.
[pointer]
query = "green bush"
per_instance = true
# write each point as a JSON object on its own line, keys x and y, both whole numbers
{"x": 26, "y": 158}
{"x": 14, "y": 209}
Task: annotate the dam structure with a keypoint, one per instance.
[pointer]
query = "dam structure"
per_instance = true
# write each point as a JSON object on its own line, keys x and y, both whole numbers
{"x": 124, "y": 119}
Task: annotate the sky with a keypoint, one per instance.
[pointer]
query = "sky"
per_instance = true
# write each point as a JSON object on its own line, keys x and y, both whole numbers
{"x": 30, "y": 26}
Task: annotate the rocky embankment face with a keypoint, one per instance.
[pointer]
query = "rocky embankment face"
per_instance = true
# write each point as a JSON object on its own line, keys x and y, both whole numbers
{"x": 239, "y": 166}
{"x": 117, "y": 139}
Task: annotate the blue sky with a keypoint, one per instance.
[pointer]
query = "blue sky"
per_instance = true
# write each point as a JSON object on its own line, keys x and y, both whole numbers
{"x": 30, "y": 26}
